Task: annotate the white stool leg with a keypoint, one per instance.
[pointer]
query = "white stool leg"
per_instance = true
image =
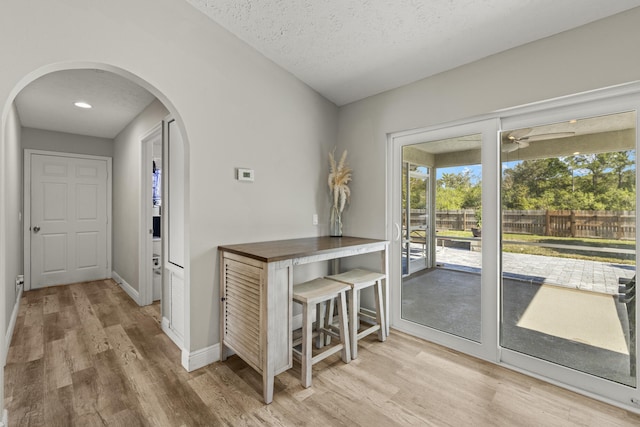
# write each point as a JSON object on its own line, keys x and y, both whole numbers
{"x": 344, "y": 328}
{"x": 307, "y": 334}
{"x": 354, "y": 307}
{"x": 320, "y": 309}
{"x": 328, "y": 320}
{"x": 382, "y": 332}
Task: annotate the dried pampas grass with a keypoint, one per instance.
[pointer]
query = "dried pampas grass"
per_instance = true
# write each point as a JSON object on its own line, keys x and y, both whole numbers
{"x": 339, "y": 177}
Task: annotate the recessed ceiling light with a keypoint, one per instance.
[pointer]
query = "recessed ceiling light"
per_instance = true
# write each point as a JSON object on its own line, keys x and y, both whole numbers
{"x": 572, "y": 121}
{"x": 81, "y": 104}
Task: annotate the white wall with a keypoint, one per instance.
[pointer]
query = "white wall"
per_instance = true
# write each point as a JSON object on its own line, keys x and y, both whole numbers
{"x": 235, "y": 107}
{"x": 38, "y": 139}
{"x": 597, "y": 55}
{"x": 126, "y": 192}
{"x": 12, "y": 206}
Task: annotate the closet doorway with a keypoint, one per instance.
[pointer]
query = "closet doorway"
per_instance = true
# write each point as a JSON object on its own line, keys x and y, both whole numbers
{"x": 151, "y": 208}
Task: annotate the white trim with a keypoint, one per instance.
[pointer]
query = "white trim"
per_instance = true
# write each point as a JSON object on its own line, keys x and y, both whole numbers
{"x": 8, "y": 110}
{"x": 597, "y": 388}
{"x": 625, "y": 97}
{"x": 158, "y": 93}
{"x": 604, "y": 103}
{"x": 623, "y": 90}
{"x": 165, "y": 220}
{"x": 200, "y": 358}
{"x": 126, "y": 287}
{"x": 27, "y": 205}
{"x": 145, "y": 246}
{"x": 12, "y": 324}
{"x": 166, "y": 328}
{"x": 490, "y": 156}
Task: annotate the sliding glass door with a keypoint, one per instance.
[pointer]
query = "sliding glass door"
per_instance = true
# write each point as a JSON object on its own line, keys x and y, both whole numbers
{"x": 569, "y": 243}
{"x": 439, "y": 218}
{"x": 514, "y": 239}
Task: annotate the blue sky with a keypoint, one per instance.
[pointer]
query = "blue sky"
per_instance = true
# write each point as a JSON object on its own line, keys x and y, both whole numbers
{"x": 476, "y": 171}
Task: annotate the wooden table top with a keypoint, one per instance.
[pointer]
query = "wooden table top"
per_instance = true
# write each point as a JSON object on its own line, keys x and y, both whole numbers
{"x": 279, "y": 250}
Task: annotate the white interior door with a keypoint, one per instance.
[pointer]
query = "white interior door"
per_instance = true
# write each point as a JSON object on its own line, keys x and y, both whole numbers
{"x": 68, "y": 212}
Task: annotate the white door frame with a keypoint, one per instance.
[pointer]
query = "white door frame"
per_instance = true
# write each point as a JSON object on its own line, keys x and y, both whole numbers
{"x": 145, "y": 274}
{"x": 597, "y": 103}
{"x": 27, "y": 205}
{"x": 624, "y": 97}
{"x": 488, "y": 347}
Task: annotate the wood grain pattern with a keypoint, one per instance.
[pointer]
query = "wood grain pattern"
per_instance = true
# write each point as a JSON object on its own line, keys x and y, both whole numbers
{"x": 107, "y": 362}
{"x": 279, "y": 250}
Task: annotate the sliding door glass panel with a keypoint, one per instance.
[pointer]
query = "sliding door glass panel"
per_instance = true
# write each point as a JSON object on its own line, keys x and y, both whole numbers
{"x": 415, "y": 218}
{"x": 441, "y": 238}
{"x": 568, "y": 244}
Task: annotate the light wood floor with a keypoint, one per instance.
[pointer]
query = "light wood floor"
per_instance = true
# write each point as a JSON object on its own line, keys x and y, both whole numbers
{"x": 85, "y": 355}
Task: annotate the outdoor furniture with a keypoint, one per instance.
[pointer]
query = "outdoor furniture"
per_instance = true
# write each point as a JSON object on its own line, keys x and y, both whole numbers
{"x": 314, "y": 294}
{"x": 418, "y": 237}
{"x": 358, "y": 279}
{"x": 627, "y": 296}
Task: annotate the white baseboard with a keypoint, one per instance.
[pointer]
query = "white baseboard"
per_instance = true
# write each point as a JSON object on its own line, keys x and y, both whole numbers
{"x": 177, "y": 339}
{"x": 12, "y": 325}
{"x": 200, "y": 358}
{"x": 126, "y": 287}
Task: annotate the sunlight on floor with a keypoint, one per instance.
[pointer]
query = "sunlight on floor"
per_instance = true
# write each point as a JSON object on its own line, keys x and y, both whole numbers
{"x": 586, "y": 317}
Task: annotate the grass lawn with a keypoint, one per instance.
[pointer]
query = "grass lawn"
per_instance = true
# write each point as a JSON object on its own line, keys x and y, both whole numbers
{"x": 511, "y": 245}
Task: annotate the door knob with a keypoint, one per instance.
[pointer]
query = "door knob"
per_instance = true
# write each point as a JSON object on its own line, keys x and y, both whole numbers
{"x": 36, "y": 229}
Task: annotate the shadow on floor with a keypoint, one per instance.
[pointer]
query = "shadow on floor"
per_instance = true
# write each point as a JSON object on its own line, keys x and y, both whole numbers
{"x": 449, "y": 300}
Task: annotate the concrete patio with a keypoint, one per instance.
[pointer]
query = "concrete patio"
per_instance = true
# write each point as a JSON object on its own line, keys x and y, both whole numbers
{"x": 545, "y": 311}
{"x": 573, "y": 273}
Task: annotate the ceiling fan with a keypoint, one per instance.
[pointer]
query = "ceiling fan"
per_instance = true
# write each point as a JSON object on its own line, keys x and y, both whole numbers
{"x": 520, "y": 138}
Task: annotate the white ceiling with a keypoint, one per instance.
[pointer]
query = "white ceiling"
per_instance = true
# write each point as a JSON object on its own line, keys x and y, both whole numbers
{"x": 344, "y": 49}
{"x": 47, "y": 103}
{"x": 351, "y": 49}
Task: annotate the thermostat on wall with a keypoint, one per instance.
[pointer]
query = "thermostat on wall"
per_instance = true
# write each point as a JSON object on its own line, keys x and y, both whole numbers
{"x": 244, "y": 174}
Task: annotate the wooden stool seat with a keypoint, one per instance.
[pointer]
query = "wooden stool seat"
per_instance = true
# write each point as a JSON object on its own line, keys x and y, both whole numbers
{"x": 315, "y": 293}
{"x": 358, "y": 279}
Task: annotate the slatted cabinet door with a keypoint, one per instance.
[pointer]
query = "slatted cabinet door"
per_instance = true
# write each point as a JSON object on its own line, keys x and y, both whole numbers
{"x": 243, "y": 284}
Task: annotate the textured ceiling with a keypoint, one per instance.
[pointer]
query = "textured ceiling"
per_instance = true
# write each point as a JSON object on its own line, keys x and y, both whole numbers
{"x": 345, "y": 49}
{"x": 350, "y": 49}
{"x": 47, "y": 103}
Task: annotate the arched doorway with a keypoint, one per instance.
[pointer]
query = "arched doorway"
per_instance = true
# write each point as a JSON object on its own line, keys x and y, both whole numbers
{"x": 129, "y": 226}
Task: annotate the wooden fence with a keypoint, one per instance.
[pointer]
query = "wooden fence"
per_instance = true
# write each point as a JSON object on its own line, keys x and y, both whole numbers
{"x": 597, "y": 224}
{"x": 456, "y": 220}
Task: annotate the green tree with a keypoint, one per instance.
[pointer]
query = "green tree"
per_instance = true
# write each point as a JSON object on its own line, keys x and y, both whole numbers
{"x": 619, "y": 163}
{"x": 458, "y": 191}
{"x": 616, "y": 199}
{"x": 603, "y": 181}
{"x": 597, "y": 166}
{"x": 532, "y": 184}
{"x": 418, "y": 193}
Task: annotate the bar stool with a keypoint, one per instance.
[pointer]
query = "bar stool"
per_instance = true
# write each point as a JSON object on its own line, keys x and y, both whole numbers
{"x": 315, "y": 293}
{"x": 358, "y": 279}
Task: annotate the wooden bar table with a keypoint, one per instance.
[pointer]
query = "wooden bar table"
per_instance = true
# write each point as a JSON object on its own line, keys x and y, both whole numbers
{"x": 256, "y": 288}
